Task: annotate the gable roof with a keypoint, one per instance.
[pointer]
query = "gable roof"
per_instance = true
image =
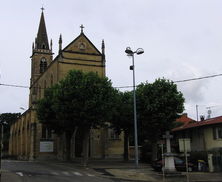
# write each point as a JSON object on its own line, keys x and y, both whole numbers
{"x": 87, "y": 39}
{"x": 211, "y": 121}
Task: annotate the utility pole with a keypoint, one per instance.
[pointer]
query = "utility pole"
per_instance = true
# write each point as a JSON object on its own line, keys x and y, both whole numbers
{"x": 197, "y": 112}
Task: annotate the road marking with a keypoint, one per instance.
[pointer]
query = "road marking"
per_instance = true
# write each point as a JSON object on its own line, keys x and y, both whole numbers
{"x": 54, "y": 173}
{"x": 19, "y": 173}
{"x": 90, "y": 175}
{"x": 65, "y": 173}
{"x": 77, "y": 173}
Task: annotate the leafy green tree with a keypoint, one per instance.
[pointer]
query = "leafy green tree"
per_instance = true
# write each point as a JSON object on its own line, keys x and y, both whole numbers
{"x": 159, "y": 105}
{"x": 123, "y": 118}
{"x": 6, "y": 119}
{"x": 80, "y": 100}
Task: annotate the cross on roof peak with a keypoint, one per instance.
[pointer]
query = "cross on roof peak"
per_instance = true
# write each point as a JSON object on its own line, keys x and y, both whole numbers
{"x": 42, "y": 8}
{"x": 82, "y": 27}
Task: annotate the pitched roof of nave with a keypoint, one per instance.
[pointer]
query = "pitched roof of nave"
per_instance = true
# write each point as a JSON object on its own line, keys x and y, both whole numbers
{"x": 82, "y": 40}
{"x": 42, "y": 38}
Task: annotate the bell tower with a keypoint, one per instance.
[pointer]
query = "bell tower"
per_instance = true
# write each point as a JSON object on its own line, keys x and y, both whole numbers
{"x": 41, "y": 52}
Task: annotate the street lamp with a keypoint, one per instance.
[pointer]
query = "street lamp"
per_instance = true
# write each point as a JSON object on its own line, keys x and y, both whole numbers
{"x": 131, "y": 53}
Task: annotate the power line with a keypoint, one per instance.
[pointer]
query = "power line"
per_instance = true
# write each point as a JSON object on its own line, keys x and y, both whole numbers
{"x": 198, "y": 78}
{"x": 11, "y": 85}
{"x": 119, "y": 87}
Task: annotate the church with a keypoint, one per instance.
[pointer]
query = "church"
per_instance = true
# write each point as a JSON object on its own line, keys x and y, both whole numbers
{"x": 29, "y": 139}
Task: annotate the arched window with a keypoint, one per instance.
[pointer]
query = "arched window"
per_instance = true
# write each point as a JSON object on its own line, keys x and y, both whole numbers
{"x": 43, "y": 46}
{"x": 43, "y": 65}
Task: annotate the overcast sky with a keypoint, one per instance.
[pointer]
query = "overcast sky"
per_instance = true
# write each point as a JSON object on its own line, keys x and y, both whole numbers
{"x": 182, "y": 39}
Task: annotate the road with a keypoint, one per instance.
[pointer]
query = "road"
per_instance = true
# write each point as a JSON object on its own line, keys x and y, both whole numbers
{"x": 32, "y": 171}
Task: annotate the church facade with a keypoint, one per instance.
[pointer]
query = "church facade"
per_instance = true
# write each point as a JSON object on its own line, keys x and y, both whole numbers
{"x": 29, "y": 139}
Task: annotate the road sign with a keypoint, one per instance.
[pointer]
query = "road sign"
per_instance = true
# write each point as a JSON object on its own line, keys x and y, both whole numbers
{"x": 184, "y": 144}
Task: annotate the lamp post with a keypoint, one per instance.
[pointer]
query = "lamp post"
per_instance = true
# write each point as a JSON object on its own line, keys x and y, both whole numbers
{"x": 131, "y": 53}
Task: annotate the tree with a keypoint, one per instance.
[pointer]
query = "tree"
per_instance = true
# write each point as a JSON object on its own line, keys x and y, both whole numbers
{"x": 123, "y": 118}
{"x": 80, "y": 100}
{"x": 6, "y": 120}
{"x": 159, "y": 105}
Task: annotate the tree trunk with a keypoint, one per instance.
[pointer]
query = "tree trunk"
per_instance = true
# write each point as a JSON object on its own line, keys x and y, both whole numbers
{"x": 154, "y": 151}
{"x": 86, "y": 147}
{"x": 68, "y": 135}
{"x": 73, "y": 155}
{"x": 126, "y": 145}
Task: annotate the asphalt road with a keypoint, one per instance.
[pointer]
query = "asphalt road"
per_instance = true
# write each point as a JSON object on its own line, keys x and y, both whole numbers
{"x": 25, "y": 171}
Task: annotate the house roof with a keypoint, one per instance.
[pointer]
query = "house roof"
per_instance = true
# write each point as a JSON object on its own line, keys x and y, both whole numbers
{"x": 194, "y": 124}
{"x": 184, "y": 119}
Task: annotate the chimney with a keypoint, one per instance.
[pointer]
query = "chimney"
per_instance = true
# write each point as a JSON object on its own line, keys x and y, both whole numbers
{"x": 202, "y": 118}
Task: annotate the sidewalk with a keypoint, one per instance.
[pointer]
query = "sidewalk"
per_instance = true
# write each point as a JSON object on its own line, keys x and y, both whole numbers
{"x": 126, "y": 171}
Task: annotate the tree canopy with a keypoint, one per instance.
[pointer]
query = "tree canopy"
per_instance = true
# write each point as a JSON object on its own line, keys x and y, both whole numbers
{"x": 7, "y": 119}
{"x": 81, "y": 100}
{"x": 123, "y": 118}
{"x": 159, "y": 105}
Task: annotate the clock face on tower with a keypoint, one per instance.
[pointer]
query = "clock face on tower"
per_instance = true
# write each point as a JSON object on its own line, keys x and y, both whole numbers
{"x": 82, "y": 45}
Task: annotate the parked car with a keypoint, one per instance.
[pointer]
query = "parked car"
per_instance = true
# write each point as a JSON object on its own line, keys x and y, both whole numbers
{"x": 180, "y": 165}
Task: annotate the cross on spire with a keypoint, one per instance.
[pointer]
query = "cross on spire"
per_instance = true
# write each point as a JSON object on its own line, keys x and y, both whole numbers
{"x": 82, "y": 27}
{"x": 42, "y": 8}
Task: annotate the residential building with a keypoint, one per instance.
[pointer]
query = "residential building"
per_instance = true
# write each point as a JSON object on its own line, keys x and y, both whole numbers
{"x": 205, "y": 138}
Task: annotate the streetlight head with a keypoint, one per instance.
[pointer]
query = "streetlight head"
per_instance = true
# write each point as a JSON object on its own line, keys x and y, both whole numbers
{"x": 139, "y": 51}
{"x": 128, "y": 51}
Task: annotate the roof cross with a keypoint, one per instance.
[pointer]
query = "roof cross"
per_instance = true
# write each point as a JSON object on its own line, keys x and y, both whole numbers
{"x": 82, "y": 27}
{"x": 42, "y": 8}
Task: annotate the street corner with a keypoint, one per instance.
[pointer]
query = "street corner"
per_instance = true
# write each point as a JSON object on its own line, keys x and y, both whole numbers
{"x": 130, "y": 174}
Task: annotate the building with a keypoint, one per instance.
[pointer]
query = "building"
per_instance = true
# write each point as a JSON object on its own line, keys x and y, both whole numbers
{"x": 29, "y": 139}
{"x": 205, "y": 138}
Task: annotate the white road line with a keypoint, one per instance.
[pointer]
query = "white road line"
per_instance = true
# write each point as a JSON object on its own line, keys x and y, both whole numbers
{"x": 90, "y": 175}
{"x": 54, "y": 173}
{"x": 19, "y": 173}
{"x": 77, "y": 173}
{"x": 66, "y": 173}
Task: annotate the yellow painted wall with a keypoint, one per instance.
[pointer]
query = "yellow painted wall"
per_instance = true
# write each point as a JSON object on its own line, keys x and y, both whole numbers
{"x": 210, "y": 141}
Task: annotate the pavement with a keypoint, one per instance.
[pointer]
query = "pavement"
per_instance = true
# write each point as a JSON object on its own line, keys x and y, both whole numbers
{"x": 126, "y": 171}
{"x": 8, "y": 176}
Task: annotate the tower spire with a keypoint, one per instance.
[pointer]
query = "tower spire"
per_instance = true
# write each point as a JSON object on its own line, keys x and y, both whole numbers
{"x": 42, "y": 38}
{"x": 103, "y": 52}
{"x": 60, "y": 43}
